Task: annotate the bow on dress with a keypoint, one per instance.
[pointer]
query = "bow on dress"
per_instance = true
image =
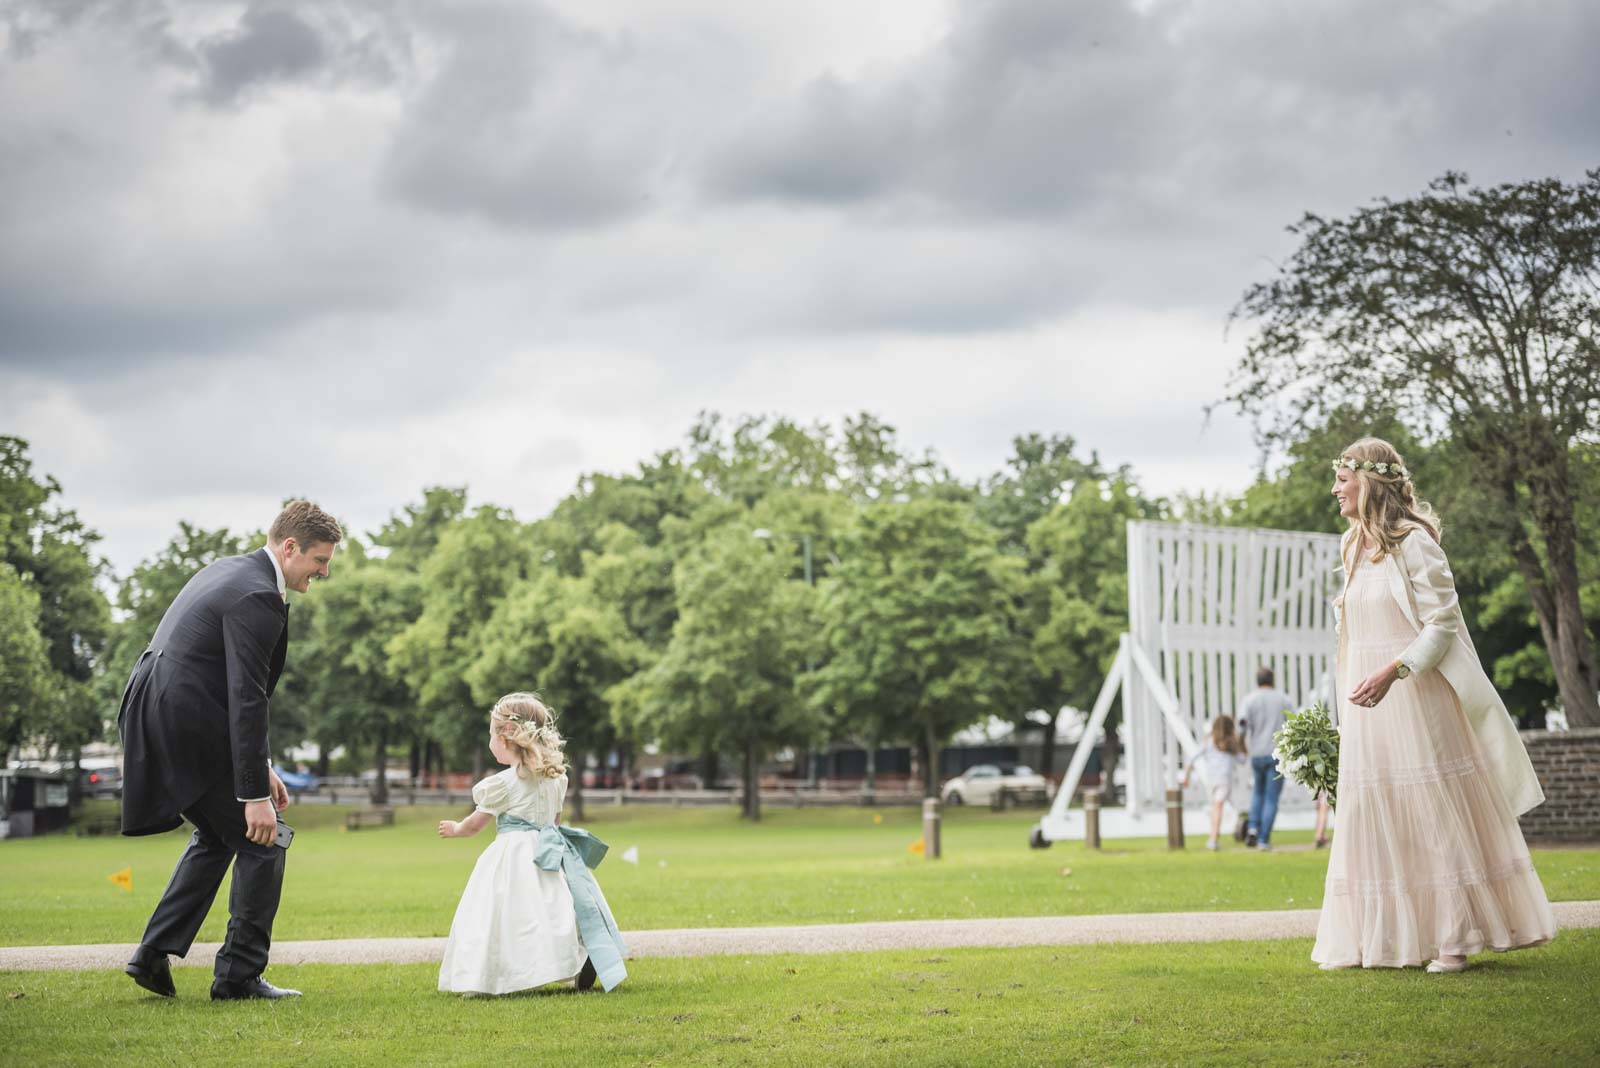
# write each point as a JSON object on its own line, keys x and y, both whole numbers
{"x": 575, "y": 852}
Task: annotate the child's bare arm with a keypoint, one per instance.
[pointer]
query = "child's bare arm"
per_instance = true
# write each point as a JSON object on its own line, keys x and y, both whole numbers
{"x": 464, "y": 828}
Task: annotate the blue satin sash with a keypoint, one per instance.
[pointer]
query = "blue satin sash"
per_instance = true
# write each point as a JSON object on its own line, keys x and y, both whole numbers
{"x": 574, "y": 852}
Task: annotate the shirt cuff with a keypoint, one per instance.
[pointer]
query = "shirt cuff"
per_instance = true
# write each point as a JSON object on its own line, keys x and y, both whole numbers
{"x": 252, "y": 800}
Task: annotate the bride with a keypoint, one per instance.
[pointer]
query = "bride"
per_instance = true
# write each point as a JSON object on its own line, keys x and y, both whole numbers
{"x": 1429, "y": 863}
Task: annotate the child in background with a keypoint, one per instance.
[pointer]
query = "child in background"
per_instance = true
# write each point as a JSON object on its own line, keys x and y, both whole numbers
{"x": 532, "y": 913}
{"x": 1223, "y": 751}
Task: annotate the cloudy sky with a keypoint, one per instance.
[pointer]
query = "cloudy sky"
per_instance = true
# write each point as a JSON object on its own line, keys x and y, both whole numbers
{"x": 350, "y": 248}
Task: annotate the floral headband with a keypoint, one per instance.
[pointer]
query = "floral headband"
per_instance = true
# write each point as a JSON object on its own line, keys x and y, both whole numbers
{"x": 529, "y": 731}
{"x": 1397, "y": 470}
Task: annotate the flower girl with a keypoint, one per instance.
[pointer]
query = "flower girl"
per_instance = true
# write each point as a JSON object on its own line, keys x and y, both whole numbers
{"x": 1222, "y": 752}
{"x": 532, "y": 912}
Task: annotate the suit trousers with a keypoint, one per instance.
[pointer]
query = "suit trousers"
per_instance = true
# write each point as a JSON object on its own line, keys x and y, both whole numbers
{"x": 219, "y": 840}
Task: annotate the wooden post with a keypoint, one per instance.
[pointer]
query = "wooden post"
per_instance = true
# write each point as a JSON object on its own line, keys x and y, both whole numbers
{"x": 930, "y": 827}
{"x": 1091, "y": 817}
{"x": 1174, "y": 819}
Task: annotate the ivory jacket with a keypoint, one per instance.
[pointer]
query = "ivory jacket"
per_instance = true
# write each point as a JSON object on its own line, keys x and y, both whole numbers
{"x": 1420, "y": 580}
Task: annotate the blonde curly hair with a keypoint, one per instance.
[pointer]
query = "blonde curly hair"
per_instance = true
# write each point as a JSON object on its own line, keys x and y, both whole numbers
{"x": 528, "y": 727}
{"x": 1387, "y": 506}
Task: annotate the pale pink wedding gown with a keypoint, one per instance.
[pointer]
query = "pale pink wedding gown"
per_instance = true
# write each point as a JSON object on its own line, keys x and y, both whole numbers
{"x": 1428, "y": 859}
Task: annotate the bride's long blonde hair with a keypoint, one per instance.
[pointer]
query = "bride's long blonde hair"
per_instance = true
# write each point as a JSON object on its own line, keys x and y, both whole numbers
{"x": 1387, "y": 507}
{"x": 528, "y": 727}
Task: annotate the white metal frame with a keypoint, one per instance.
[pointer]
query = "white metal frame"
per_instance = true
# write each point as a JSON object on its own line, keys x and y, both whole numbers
{"x": 1207, "y": 606}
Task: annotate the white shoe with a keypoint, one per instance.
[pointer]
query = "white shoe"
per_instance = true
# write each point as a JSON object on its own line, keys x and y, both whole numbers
{"x": 1212, "y": 845}
{"x": 1265, "y": 847}
{"x": 1439, "y": 967}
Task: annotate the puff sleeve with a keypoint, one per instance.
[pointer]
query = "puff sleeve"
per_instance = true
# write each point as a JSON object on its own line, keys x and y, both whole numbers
{"x": 1433, "y": 589}
{"x": 492, "y": 795}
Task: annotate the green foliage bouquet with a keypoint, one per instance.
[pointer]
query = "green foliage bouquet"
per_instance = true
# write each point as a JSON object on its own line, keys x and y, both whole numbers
{"x": 1306, "y": 748}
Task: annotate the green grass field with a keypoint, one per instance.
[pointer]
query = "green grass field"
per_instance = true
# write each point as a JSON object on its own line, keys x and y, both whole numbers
{"x": 1218, "y": 1003}
{"x": 1204, "y": 1003}
{"x": 697, "y": 868}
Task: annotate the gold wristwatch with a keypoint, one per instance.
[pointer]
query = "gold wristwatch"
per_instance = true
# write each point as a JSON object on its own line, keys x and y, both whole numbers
{"x": 1400, "y": 670}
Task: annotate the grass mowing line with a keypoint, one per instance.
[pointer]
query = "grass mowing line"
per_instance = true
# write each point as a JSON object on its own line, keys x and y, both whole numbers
{"x": 1220, "y": 1003}
{"x": 698, "y": 868}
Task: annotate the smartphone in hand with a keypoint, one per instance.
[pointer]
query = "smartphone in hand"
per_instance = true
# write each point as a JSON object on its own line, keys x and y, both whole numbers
{"x": 285, "y": 835}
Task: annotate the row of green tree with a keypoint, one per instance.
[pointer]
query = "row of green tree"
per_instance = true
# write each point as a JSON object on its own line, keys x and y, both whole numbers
{"x": 768, "y": 585}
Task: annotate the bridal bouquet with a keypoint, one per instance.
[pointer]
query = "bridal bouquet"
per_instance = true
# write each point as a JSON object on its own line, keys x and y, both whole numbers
{"x": 1306, "y": 748}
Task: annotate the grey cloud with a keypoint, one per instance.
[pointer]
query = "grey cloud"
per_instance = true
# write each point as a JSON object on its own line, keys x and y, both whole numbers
{"x": 532, "y": 122}
{"x": 1035, "y": 109}
{"x": 1012, "y": 114}
{"x": 277, "y": 43}
{"x": 269, "y": 45}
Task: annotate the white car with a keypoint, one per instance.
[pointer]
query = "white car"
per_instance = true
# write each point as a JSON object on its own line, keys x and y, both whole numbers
{"x": 992, "y": 784}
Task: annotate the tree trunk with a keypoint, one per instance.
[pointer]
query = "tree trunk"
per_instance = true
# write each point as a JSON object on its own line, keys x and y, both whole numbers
{"x": 930, "y": 763}
{"x": 324, "y": 761}
{"x": 575, "y": 783}
{"x": 380, "y": 785}
{"x": 416, "y": 759}
{"x": 708, "y": 769}
{"x": 872, "y": 764}
{"x": 1555, "y": 593}
{"x": 1047, "y": 746}
{"x": 752, "y": 782}
{"x": 1110, "y": 753}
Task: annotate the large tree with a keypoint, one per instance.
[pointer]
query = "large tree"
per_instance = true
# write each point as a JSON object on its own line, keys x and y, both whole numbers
{"x": 1041, "y": 473}
{"x": 52, "y": 554}
{"x": 1474, "y": 312}
{"x": 919, "y": 620}
{"x": 728, "y": 678}
{"x": 27, "y": 688}
{"x": 477, "y": 558}
{"x": 1077, "y": 603}
{"x": 555, "y": 634}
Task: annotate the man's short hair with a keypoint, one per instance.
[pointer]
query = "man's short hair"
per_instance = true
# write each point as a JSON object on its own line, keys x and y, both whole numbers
{"x": 306, "y": 524}
{"x": 1264, "y": 677}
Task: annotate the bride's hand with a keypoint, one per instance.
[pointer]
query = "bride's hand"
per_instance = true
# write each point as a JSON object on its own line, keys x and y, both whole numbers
{"x": 1374, "y": 687}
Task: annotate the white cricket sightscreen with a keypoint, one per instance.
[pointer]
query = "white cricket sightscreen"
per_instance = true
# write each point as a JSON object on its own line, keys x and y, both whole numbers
{"x": 1207, "y": 607}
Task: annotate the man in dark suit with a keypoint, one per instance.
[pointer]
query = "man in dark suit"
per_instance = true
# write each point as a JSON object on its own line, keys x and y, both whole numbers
{"x": 194, "y": 737}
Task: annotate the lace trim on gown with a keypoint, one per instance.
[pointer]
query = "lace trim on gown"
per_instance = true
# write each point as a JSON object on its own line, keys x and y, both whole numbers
{"x": 1414, "y": 776}
{"x": 1338, "y": 886}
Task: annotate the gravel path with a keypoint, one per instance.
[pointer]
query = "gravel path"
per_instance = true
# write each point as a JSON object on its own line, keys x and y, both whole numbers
{"x": 821, "y": 938}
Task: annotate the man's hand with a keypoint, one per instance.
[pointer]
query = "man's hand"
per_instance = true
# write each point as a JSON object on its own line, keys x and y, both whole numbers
{"x": 261, "y": 821}
{"x": 280, "y": 792}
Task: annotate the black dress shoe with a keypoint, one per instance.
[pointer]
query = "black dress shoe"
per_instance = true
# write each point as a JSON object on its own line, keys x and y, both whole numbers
{"x": 228, "y": 990}
{"x": 150, "y": 970}
{"x": 587, "y": 975}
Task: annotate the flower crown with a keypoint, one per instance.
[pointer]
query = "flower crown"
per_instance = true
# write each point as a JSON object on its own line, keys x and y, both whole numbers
{"x": 1397, "y": 470}
{"x": 527, "y": 731}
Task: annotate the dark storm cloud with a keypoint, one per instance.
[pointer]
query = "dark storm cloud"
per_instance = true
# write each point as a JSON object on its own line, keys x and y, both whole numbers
{"x": 277, "y": 43}
{"x": 1043, "y": 110}
{"x": 530, "y": 122}
{"x": 269, "y": 45}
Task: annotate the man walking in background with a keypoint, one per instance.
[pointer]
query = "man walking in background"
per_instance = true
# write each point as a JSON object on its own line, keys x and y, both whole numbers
{"x": 194, "y": 737}
{"x": 1259, "y": 719}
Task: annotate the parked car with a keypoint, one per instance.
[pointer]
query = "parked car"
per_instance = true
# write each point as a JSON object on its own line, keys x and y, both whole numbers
{"x": 986, "y": 784}
{"x": 298, "y": 781}
{"x": 102, "y": 782}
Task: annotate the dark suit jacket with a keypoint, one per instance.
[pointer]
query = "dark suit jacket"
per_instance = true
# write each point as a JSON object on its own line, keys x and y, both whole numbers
{"x": 195, "y": 710}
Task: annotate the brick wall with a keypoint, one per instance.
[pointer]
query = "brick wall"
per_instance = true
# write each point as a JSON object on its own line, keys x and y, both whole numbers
{"x": 1568, "y": 765}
